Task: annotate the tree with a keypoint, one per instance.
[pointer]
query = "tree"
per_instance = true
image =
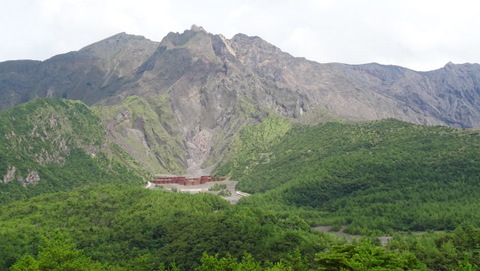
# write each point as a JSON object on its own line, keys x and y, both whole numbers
{"x": 229, "y": 263}
{"x": 365, "y": 256}
{"x": 57, "y": 255}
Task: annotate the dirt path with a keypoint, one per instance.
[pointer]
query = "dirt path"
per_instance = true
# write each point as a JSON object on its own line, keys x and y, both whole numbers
{"x": 341, "y": 232}
{"x": 384, "y": 240}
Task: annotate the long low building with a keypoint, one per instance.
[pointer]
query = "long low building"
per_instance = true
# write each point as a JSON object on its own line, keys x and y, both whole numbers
{"x": 186, "y": 181}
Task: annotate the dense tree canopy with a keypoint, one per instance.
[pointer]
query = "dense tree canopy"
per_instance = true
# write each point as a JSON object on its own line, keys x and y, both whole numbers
{"x": 385, "y": 175}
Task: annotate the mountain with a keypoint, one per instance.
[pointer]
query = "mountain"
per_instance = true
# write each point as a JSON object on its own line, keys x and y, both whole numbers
{"x": 89, "y": 75}
{"x": 193, "y": 91}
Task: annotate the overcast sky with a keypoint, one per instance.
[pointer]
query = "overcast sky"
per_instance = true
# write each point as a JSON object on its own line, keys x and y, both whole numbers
{"x": 417, "y": 34}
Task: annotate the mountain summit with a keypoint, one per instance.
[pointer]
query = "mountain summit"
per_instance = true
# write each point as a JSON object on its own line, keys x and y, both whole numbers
{"x": 189, "y": 94}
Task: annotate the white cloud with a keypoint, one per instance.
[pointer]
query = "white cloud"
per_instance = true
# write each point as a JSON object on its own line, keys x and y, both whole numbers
{"x": 240, "y": 12}
{"x": 417, "y": 34}
{"x": 42, "y": 28}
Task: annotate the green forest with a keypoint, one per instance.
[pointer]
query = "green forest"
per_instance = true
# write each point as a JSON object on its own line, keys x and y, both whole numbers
{"x": 90, "y": 211}
{"x": 374, "y": 177}
{"x": 125, "y": 227}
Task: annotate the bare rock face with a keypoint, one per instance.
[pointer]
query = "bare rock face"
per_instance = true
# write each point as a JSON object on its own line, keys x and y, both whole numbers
{"x": 199, "y": 146}
{"x": 90, "y": 74}
{"x": 447, "y": 96}
{"x": 32, "y": 179}
{"x": 10, "y": 176}
{"x": 198, "y": 90}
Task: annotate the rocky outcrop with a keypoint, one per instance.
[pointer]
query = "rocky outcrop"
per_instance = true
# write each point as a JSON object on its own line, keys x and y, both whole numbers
{"x": 32, "y": 178}
{"x": 10, "y": 175}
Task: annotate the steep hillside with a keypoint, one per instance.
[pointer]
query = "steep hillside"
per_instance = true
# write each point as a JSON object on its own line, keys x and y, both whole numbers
{"x": 210, "y": 87}
{"x": 450, "y": 94}
{"x": 52, "y": 145}
{"x": 147, "y": 131}
{"x": 370, "y": 176}
{"x": 363, "y": 92}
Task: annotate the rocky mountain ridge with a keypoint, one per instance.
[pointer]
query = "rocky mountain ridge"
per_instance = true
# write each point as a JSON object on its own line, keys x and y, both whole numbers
{"x": 193, "y": 91}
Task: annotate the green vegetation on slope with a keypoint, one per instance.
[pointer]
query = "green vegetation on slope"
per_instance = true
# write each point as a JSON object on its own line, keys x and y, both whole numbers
{"x": 456, "y": 250}
{"x": 377, "y": 176}
{"x": 147, "y": 131}
{"x": 53, "y": 145}
{"x": 252, "y": 146}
